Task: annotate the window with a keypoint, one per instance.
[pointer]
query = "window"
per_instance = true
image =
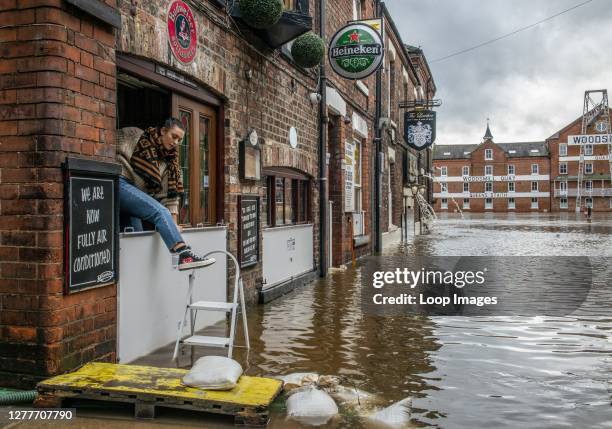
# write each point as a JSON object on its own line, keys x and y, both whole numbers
{"x": 444, "y": 187}
{"x": 511, "y": 203}
{"x": 588, "y": 185}
{"x": 588, "y": 168}
{"x": 465, "y": 171}
{"x": 488, "y": 170}
{"x": 444, "y": 204}
{"x": 534, "y": 169}
{"x": 444, "y": 171}
{"x": 511, "y": 170}
{"x": 534, "y": 186}
{"x": 288, "y": 201}
{"x": 511, "y": 186}
{"x": 466, "y": 187}
{"x": 562, "y": 149}
{"x": 488, "y": 203}
{"x": 534, "y": 203}
{"x": 466, "y": 203}
{"x": 563, "y": 203}
{"x": 488, "y": 154}
{"x": 563, "y": 168}
{"x": 589, "y": 202}
{"x": 563, "y": 188}
{"x": 588, "y": 149}
{"x": 489, "y": 187}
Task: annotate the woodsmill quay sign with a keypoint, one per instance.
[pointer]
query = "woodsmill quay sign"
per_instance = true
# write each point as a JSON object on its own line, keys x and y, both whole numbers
{"x": 248, "y": 230}
{"x": 420, "y": 128}
{"x": 356, "y": 51}
{"x": 91, "y": 224}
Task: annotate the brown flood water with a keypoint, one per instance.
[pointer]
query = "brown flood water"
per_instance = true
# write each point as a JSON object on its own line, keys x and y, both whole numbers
{"x": 462, "y": 372}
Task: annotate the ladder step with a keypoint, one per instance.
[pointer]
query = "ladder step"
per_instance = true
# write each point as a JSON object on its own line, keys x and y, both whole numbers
{"x": 213, "y": 305}
{"x": 202, "y": 340}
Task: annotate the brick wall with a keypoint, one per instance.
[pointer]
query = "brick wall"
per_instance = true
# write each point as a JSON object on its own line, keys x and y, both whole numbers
{"x": 57, "y": 97}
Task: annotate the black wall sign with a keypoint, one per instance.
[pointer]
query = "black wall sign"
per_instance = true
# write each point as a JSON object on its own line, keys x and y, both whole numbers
{"x": 91, "y": 223}
{"x": 248, "y": 230}
{"x": 420, "y": 128}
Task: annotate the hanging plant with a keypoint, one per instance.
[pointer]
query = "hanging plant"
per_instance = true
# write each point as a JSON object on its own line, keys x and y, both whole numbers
{"x": 261, "y": 13}
{"x": 308, "y": 50}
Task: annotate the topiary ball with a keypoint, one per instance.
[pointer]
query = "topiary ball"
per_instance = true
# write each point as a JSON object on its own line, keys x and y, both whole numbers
{"x": 261, "y": 13}
{"x": 308, "y": 50}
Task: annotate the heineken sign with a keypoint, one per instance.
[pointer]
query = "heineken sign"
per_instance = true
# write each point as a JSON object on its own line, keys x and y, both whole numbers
{"x": 420, "y": 128}
{"x": 356, "y": 51}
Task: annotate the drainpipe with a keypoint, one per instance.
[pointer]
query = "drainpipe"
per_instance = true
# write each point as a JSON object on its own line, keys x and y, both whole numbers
{"x": 378, "y": 146}
{"x": 323, "y": 120}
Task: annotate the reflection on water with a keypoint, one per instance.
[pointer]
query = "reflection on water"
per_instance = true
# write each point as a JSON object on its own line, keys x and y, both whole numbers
{"x": 461, "y": 371}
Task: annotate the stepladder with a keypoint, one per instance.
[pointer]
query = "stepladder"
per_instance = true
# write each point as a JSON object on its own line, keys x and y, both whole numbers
{"x": 192, "y": 308}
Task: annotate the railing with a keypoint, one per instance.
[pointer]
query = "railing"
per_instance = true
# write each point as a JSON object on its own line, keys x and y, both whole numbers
{"x": 596, "y": 192}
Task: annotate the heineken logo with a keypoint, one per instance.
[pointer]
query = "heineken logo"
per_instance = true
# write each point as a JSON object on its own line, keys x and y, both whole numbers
{"x": 356, "y": 51}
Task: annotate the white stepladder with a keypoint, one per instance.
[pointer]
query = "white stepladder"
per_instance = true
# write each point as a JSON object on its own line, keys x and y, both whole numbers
{"x": 232, "y": 307}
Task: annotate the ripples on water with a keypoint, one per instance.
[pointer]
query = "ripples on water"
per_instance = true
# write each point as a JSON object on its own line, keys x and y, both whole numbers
{"x": 480, "y": 372}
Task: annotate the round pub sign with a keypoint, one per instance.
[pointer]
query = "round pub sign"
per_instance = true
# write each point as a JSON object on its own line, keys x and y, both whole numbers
{"x": 182, "y": 32}
{"x": 356, "y": 51}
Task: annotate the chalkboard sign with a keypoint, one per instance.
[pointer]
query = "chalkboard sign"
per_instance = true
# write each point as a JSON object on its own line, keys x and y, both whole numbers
{"x": 91, "y": 222}
{"x": 248, "y": 230}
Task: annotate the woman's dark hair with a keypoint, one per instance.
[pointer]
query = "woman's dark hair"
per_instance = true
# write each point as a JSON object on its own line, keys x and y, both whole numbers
{"x": 171, "y": 123}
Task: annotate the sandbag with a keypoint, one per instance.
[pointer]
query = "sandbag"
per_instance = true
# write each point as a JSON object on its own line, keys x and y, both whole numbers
{"x": 213, "y": 373}
{"x": 396, "y": 415}
{"x": 311, "y": 406}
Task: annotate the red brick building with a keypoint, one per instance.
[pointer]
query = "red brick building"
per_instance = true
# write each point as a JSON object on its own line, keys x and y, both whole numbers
{"x": 492, "y": 177}
{"x": 564, "y": 148}
{"x": 75, "y": 73}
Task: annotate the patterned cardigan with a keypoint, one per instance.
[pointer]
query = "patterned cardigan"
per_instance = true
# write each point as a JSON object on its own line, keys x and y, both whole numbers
{"x": 127, "y": 138}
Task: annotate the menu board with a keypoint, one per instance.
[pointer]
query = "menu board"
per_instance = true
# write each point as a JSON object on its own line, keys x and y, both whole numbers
{"x": 248, "y": 230}
{"x": 91, "y": 224}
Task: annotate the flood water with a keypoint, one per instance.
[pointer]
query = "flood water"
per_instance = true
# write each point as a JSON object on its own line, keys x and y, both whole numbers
{"x": 462, "y": 372}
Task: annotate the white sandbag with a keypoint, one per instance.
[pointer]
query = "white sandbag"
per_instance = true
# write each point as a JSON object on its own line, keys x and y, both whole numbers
{"x": 311, "y": 406}
{"x": 396, "y": 415}
{"x": 298, "y": 377}
{"x": 351, "y": 396}
{"x": 213, "y": 373}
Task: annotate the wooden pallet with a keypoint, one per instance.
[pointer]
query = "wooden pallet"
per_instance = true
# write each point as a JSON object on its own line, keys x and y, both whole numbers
{"x": 150, "y": 387}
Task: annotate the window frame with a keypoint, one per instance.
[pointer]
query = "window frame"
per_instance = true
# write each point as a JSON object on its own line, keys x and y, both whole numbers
{"x": 488, "y": 168}
{"x": 463, "y": 171}
{"x": 511, "y": 203}
{"x": 466, "y": 206}
{"x": 488, "y": 203}
{"x": 296, "y": 200}
{"x": 588, "y": 152}
{"x": 466, "y": 187}
{"x": 443, "y": 171}
{"x": 590, "y": 167}
{"x": 535, "y": 186}
{"x": 536, "y": 170}
{"x": 588, "y": 185}
{"x": 535, "y": 203}
{"x": 444, "y": 203}
{"x": 563, "y": 168}
{"x": 444, "y": 187}
{"x": 564, "y": 151}
{"x": 511, "y": 186}
{"x": 563, "y": 203}
{"x": 488, "y": 185}
{"x": 488, "y": 155}
{"x": 513, "y": 167}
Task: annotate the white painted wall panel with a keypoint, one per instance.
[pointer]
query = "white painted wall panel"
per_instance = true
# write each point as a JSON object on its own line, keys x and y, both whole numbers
{"x": 151, "y": 294}
{"x": 287, "y": 252}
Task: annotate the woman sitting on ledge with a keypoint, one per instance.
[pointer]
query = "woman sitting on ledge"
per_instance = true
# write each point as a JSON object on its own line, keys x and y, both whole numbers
{"x": 151, "y": 184}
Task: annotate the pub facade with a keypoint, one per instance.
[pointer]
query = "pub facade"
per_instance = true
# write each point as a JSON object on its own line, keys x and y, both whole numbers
{"x": 79, "y": 78}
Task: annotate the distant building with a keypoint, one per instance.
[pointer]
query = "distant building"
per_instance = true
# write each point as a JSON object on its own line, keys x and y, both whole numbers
{"x": 565, "y": 156}
{"x": 496, "y": 177}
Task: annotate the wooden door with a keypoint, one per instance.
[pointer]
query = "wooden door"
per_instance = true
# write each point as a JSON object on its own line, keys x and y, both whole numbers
{"x": 198, "y": 156}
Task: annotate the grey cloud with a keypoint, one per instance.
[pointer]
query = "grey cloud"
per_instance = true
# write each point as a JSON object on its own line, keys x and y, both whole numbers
{"x": 530, "y": 84}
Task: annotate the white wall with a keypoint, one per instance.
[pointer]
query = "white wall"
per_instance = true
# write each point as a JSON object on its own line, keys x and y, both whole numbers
{"x": 283, "y": 260}
{"x": 152, "y": 295}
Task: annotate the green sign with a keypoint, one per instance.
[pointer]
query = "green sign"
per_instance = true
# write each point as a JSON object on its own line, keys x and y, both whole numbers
{"x": 356, "y": 51}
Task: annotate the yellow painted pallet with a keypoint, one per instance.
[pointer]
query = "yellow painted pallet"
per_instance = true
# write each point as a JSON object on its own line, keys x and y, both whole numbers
{"x": 148, "y": 387}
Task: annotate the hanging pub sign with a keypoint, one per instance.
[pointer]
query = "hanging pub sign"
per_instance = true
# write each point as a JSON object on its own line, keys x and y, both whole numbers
{"x": 420, "y": 128}
{"x": 182, "y": 33}
{"x": 91, "y": 223}
{"x": 248, "y": 230}
{"x": 356, "y": 51}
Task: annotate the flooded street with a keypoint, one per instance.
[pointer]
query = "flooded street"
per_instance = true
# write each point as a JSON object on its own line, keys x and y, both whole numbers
{"x": 462, "y": 372}
{"x": 502, "y": 372}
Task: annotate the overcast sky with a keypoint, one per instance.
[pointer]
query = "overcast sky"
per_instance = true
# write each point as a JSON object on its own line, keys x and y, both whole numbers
{"x": 531, "y": 84}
